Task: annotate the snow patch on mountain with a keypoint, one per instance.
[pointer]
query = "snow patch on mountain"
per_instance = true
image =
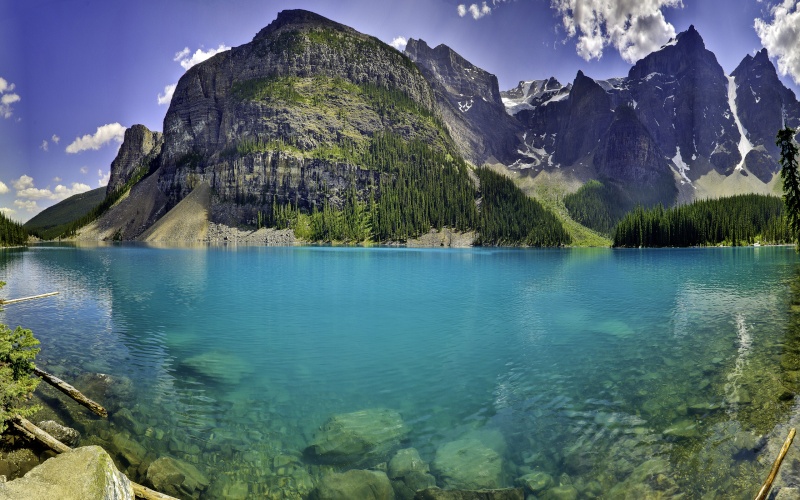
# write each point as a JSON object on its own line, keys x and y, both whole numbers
{"x": 682, "y": 167}
{"x": 744, "y": 143}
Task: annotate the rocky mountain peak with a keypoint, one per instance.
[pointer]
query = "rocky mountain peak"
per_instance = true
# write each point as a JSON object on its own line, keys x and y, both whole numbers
{"x": 687, "y": 52}
{"x": 139, "y": 147}
{"x": 299, "y": 18}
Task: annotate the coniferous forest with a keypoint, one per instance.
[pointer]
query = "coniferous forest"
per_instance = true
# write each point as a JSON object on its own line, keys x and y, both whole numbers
{"x": 737, "y": 220}
{"x": 11, "y": 233}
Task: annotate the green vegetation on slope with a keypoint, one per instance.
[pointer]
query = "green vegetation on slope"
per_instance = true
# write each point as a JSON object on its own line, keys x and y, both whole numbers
{"x": 11, "y": 233}
{"x": 742, "y": 219}
{"x": 53, "y": 221}
{"x": 597, "y": 206}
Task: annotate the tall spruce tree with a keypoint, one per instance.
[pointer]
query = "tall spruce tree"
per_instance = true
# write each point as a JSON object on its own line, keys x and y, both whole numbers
{"x": 791, "y": 180}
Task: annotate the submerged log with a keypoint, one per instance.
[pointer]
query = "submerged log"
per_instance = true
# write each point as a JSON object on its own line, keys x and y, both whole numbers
{"x": 71, "y": 392}
{"x": 27, "y": 428}
{"x": 11, "y": 301}
{"x": 764, "y": 491}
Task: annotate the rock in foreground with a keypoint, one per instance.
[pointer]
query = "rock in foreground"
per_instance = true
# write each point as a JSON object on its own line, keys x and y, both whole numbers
{"x": 79, "y": 474}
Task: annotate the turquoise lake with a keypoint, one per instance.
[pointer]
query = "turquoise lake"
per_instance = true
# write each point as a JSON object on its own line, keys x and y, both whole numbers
{"x": 618, "y": 373}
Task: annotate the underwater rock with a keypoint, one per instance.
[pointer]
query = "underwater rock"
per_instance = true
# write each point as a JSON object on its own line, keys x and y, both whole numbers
{"x": 78, "y": 474}
{"x": 536, "y": 482}
{"x": 406, "y": 487}
{"x": 109, "y": 391}
{"x": 66, "y": 435}
{"x": 17, "y": 463}
{"x": 468, "y": 464}
{"x": 684, "y": 429}
{"x": 125, "y": 418}
{"x": 131, "y": 451}
{"x": 497, "y": 494}
{"x": 561, "y": 492}
{"x": 405, "y": 461}
{"x": 219, "y": 366}
{"x": 176, "y": 477}
{"x": 361, "y": 484}
{"x": 360, "y": 438}
{"x": 230, "y": 489}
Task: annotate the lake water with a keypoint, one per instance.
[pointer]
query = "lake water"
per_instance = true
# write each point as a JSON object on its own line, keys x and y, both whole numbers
{"x": 632, "y": 372}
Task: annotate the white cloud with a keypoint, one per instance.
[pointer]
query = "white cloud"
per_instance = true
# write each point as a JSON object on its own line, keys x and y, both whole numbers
{"x": 399, "y": 42}
{"x": 3, "y": 188}
{"x": 166, "y": 97}
{"x": 27, "y": 205}
{"x": 23, "y": 182}
{"x": 56, "y": 179}
{"x": 55, "y": 138}
{"x": 199, "y": 55}
{"x": 63, "y": 192}
{"x": 103, "y": 135}
{"x": 477, "y": 11}
{"x": 781, "y": 36}
{"x": 634, "y": 27}
{"x": 9, "y": 212}
{"x": 84, "y": 170}
{"x": 44, "y": 146}
{"x": 103, "y": 178}
{"x": 7, "y": 98}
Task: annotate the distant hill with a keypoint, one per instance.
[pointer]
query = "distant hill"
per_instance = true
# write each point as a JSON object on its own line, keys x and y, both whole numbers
{"x": 52, "y": 221}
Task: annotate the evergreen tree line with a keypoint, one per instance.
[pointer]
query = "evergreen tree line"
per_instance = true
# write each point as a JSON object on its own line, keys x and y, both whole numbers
{"x": 425, "y": 189}
{"x": 736, "y": 220}
{"x": 597, "y": 206}
{"x": 11, "y": 233}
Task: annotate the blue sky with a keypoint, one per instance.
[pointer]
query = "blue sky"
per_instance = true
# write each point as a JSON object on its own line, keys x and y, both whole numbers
{"x": 75, "y": 73}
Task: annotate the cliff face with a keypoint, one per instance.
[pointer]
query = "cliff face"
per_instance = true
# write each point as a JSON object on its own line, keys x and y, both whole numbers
{"x": 280, "y": 118}
{"x": 140, "y": 146}
{"x": 469, "y": 101}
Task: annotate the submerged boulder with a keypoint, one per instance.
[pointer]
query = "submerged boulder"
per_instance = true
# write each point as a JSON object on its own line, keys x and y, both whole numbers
{"x": 176, "y": 477}
{"x": 66, "y": 435}
{"x": 409, "y": 474}
{"x": 361, "y": 484}
{"x": 219, "y": 366}
{"x": 82, "y": 473}
{"x": 499, "y": 494}
{"x": 360, "y": 438}
{"x": 468, "y": 464}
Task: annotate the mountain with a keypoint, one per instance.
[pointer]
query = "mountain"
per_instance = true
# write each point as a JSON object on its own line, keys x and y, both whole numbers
{"x": 318, "y": 128}
{"x": 52, "y": 221}
{"x": 712, "y": 133}
{"x": 468, "y": 99}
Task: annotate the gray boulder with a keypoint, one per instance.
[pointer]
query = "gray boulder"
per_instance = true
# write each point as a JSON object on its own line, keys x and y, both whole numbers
{"x": 66, "y": 435}
{"x": 360, "y": 438}
{"x": 468, "y": 464}
{"x": 82, "y": 473}
{"x": 176, "y": 477}
{"x": 361, "y": 484}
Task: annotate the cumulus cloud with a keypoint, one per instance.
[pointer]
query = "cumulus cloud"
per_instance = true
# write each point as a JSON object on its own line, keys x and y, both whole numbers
{"x": 103, "y": 135}
{"x": 3, "y": 188}
{"x": 55, "y": 138}
{"x": 7, "y": 98}
{"x": 780, "y": 35}
{"x": 633, "y": 27}
{"x": 399, "y": 42}
{"x": 27, "y": 205}
{"x": 166, "y": 97}
{"x": 103, "y": 177}
{"x": 477, "y": 11}
{"x": 23, "y": 182}
{"x": 44, "y": 146}
{"x": 27, "y": 191}
{"x": 199, "y": 55}
{"x": 8, "y": 212}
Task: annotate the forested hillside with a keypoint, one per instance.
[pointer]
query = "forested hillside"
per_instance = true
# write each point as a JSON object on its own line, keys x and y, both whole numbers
{"x": 11, "y": 233}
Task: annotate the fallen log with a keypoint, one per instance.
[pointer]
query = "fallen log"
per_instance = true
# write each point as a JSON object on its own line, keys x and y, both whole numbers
{"x": 764, "y": 491}
{"x": 32, "y": 431}
{"x": 11, "y": 301}
{"x": 71, "y": 392}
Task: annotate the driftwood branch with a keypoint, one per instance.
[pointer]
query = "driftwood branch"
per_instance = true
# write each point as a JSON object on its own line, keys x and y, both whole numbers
{"x": 764, "y": 491}
{"x": 11, "y": 301}
{"x": 71, "y": 392}
{"x": 29, "y": 429}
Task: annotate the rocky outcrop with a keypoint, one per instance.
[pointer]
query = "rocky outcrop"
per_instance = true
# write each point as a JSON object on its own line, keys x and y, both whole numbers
{"x": 360, "y": 438}
{"x": 82, "y": 473}
{"x": 470, "y": 103}
{"x": 139, "y": 148}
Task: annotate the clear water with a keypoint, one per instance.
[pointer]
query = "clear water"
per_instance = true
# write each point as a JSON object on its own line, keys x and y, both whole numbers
{"x": 649, "y": 372}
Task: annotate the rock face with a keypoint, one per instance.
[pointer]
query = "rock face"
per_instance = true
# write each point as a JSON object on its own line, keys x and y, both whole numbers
{"x": 140, "y": 147}
{"x": 359, "y": 438}
{"x": 470, "y": 103}
{"x": 258, "y": 122}
{"x": 66, "y": 435}
{"x": 79, "y": 474}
